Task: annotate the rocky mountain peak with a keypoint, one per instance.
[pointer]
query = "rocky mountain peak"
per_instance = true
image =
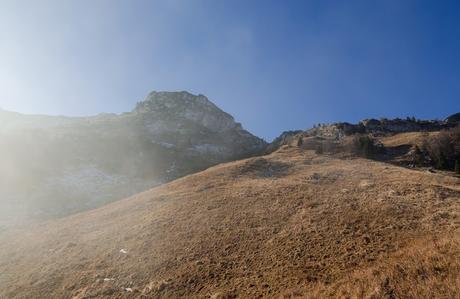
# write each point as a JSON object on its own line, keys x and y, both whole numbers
{"x": 183, "y": 106}
{"x": 160, "y": 100}
{"x": 83, "y": 162}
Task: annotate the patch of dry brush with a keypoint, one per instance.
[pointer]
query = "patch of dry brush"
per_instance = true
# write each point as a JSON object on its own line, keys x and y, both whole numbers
{"x": 428, "y": 269}
{"x": 443, "y": 149}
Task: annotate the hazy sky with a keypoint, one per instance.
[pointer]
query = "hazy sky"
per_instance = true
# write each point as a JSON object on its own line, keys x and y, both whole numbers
{"x": 274, "y": 65}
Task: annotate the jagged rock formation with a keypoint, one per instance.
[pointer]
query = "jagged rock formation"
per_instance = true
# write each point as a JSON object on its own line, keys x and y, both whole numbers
{"x": 57, "y": 165}
{"x": 401, "y": 125}
{"x": 180, "y": 120}
{"x": 453, "y": 119}
{"x": 382, "y": 127}
{"x": 285, "y": 138}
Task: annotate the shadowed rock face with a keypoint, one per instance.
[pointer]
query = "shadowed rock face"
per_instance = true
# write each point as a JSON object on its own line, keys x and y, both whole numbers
{"x": 454, "y": 118}
{"x": 53, "y": 166}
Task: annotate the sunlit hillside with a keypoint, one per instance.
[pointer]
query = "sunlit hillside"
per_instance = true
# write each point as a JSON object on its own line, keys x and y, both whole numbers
{"x": 293, "y": 224}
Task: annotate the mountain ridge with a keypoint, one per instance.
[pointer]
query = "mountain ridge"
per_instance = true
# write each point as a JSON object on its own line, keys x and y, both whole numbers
{"x": 79, "y": 163}
{"x": 82, "y": 162}
{"x": 309, "y": 219}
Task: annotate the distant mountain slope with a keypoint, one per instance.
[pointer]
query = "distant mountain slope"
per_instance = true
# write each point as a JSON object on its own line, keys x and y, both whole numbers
{"x": 454, "y": 118}
{"x": 52, "y": 166}
{"x": 323, "y": 134}
{"x": 291, "y": 224}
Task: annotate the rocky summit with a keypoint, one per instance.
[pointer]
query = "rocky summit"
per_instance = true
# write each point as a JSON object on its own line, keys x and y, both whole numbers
{"x": 77, "y": 163}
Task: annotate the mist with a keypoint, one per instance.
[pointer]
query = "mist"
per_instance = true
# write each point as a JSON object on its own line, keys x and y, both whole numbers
{"x": 54, "y": 166}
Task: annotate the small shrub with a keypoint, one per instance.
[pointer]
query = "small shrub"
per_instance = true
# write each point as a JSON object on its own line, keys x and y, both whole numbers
{"x": 300, "y": 141}
{"x": 367, "y": 146}
{"x": 418, "y": 156}
{"x": 363, "y": 146}
{"x": 443, "y": 149}
{"x": 319, "y": 149}
{"x": 329, "y": 146}
{"x": 441, "y": 161}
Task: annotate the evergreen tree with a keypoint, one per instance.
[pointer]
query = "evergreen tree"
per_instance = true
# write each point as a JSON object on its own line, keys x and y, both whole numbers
{"x": 319, "y": 149}
{"x": 300, "y": 141}
{"x": 442, "y": 161}
{"x": 419, "y": 158}
{"x": 367, "y": 146}
{"x": 457, "y": 166}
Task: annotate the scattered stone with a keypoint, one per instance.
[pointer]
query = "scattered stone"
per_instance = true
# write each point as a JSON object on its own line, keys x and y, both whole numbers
{"x": 365, "y": 183}
{"x": 315, "y": 176}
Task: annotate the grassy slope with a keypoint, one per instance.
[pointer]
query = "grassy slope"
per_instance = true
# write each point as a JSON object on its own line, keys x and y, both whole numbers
{"x": 410, "y": 138}
{"x": 291, "y": 223}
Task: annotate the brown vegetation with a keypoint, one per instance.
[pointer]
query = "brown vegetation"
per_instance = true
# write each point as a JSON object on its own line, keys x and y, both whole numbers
{"x": 363, "y": 146}
{"x": 443, "y": 149}
{"x": 429, "y": 268}
{"x": 288, "y": 224}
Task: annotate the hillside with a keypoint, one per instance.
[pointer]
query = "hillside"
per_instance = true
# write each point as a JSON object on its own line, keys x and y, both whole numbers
{"x": 292, "y": 224}
{"x": 53, "y": 166}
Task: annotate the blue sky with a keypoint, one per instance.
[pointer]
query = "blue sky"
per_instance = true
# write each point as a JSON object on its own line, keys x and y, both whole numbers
{"x": 274, "y": 65}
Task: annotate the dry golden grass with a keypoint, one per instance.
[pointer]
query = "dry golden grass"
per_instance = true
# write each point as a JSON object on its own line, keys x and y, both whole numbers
{"x": 289, "y": 224}
{"x": 412, "y": 138}
{"x": 427, "y": 269}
